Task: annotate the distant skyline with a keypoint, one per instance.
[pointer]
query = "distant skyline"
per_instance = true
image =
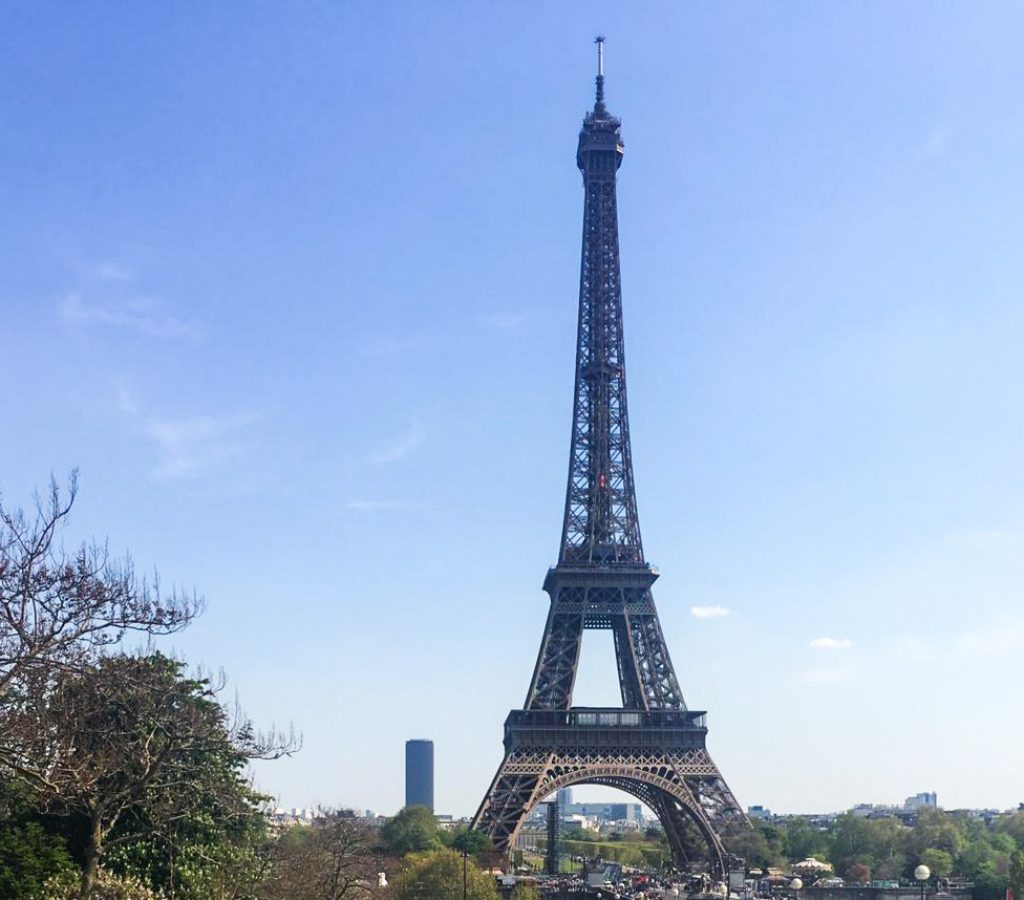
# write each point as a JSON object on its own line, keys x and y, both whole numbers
{"x": 296, "y": 291}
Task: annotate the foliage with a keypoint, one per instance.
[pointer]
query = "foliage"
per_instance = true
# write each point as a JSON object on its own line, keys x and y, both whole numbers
{"x": 139, "y": 752}
{"x": 465, "y": 840}
{"x": 949, "y": 843}
{"x": 940, "y": 862}
{"x": 650, "y": 853}
{"x": 106, "y": 886}
{"x": 334, "y": 859}
{"x": 523, "y": 891}
{"x": 801, "y": 840}
{"x": 440, "y": 874}
{"x": 859, "y": 872}
{"x": 761, "y": 846}
{"x": 28, "y": 857}
{"x": 413, "y": 830}
{"x": 1016, "y": 874}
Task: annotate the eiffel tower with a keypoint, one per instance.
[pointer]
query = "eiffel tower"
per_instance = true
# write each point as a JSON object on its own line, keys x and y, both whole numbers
{"x": 653, "y": 747}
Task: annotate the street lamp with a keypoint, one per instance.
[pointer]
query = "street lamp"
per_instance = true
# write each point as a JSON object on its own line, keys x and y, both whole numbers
{"x": 465, "y": 861}
{"x": 796, "y": 885}
{"x": 922, "y": 873}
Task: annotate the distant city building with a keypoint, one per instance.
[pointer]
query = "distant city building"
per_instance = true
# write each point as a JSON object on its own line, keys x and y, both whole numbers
{"x": 564, "y": 800}
{"x": 419, "y": 773}
{"x": 922, "y": 801}
{"x": 759, "y": 812}
{"x": 873, "y": 811}
{"x": 598, "y": 812}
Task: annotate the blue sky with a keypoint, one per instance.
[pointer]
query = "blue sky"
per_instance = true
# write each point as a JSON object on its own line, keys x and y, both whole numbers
{"x": 294, "y": 286}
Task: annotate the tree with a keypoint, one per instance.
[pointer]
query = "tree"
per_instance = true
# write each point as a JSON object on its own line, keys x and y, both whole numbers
{"x": 107, "y": 886}
{"x": 133, "y": 748}
{"x": 800, "y": 840}
{"x": 58, "y": 609}
{"x": 1017, "y": 874}
{"x": 759, "y": 847}
{"x": 939, "y": 861}
{"x": 334, "y": 859}
{"x": 29, "y": 856}
{"x": 413, "y": 830}
{"x": 439, "y": 874}
{"x": 523, "y": 891}
{"x": 859, "y": 872}
{"x": 466, "y": 840}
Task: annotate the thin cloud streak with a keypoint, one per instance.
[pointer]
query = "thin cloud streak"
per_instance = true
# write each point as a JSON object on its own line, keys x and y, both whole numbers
{"x": 188, "y": 444}
{"x": 709, "y": 612}
{"x": 193, "y": 443}
{"x": 830, "y": 643}
{"x": 110, "y": 271}
{"x": 400, "y": 448}
{"x": 141, "y": 315}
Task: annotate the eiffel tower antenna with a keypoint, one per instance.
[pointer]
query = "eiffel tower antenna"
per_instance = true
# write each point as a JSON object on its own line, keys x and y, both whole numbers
{"x": 653, "y": 746}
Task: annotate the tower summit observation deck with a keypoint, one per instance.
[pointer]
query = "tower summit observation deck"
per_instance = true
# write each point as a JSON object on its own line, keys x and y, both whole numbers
{"x": 652, "y": 747}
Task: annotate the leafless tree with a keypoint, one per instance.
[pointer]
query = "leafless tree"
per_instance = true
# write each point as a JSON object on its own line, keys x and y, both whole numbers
{"x": 334, "y": 859}
{"x": 58, "y": 608}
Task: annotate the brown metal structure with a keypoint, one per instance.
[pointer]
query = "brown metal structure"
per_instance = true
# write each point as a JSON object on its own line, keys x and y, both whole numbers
{"x": 653, "y": 747}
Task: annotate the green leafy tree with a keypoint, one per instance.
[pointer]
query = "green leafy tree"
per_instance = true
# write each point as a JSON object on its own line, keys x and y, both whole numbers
{"x": 523, "y": 891}
{"x": 939, "y": 861}
{"x": 439, "y": 874}
{"x": 465, "y": 840}
{"x": 938, "y": 830}
{"x": 29, "y": 856}
{"x": 988, "y": 883}
{"x": 801, "y": 840}
{"x": 133, "y": 749}
{"x": 759, "y": 847}
{"x": 106, "y": 886}
{"x": 851, "y": 841}
{"x": 413, "y": 830}
{"x": 1016, "y": 878}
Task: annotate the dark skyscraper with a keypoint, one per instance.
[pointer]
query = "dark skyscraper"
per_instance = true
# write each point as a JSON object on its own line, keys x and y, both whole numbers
{"x": 419, "y": 774}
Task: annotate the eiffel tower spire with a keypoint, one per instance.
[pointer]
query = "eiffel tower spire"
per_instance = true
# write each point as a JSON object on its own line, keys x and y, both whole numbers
{"x": 600, "y": 525}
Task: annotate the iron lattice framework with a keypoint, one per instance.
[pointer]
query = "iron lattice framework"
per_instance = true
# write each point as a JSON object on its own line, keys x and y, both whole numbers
{"x": 653, "y": 747}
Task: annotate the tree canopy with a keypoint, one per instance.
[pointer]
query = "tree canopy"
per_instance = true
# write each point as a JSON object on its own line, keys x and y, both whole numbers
{"x": 413, "y": 830}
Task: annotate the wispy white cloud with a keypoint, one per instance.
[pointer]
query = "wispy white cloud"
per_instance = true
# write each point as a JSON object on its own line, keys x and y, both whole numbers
{"x": 831, "y": 643}
{"x": 709, "y": 612}
{"x": 142, "y": 315}
{"x": 402, "y": 446}
{"x": 191, "y": 444}
{"x": 109, "y": 271}
{"x": 373, "y": 505}
{"x": 125, "y": 401}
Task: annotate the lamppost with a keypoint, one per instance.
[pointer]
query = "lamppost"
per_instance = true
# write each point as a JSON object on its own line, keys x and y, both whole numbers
{"x": 465, "y": 863}
{"x": 922, "y": 873}
{"x": 796, "y": 885}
